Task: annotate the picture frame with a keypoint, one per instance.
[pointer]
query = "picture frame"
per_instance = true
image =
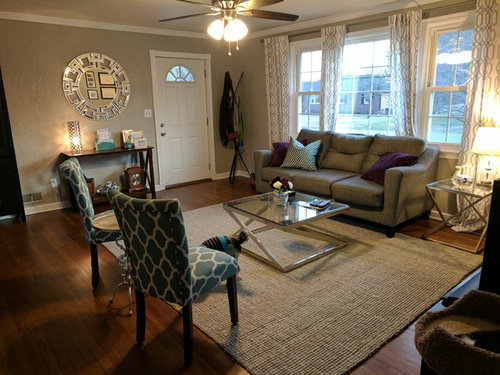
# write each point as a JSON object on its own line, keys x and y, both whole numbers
{"x": 140, "y": 143}
{"x": 93, "y": 94}
{"x": 90, "y": 79}
{"x": 130, "y": 135}
{"x": 108, "y": 92}
{"x": 106, "y": 79}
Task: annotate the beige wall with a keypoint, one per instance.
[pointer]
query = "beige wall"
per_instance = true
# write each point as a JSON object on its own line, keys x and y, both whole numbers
{"x": 33, "y": 57}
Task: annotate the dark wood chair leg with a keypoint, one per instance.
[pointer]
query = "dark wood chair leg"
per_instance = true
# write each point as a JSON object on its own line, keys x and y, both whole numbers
{"x": 232, "y": 295}
{"x": 94, "y": 265}
{"x": 187, "y": 319}
{"x": 425, "y": 369}
{"x": 141, "y": 316}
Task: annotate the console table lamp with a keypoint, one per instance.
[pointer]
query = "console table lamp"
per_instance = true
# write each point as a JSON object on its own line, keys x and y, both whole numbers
{"x": 75, "y": 139}
{"x": 487, "y": 142}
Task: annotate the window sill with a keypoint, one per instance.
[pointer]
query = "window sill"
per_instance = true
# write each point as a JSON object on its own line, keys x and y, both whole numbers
{"x": 446, "y": 150}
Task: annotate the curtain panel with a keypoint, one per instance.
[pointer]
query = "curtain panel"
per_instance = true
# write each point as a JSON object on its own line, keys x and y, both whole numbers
{"x": 332, "y": 46}
{"x": 482, "y": 103}
{"x": 277, "y": 87}
{"x": 404, "y": 31}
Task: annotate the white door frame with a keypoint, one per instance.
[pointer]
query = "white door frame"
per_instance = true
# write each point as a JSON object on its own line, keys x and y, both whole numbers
{"x": 208, "y": 101}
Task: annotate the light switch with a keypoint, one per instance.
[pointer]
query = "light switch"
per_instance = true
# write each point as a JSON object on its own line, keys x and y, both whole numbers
{"x": 148, "y": 113}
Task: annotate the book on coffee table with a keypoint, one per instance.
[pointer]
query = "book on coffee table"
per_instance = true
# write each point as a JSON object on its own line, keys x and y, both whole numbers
{"x": 320, "y": 204}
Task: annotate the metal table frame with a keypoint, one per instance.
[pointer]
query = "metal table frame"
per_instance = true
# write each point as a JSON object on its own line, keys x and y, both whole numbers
{"x": 302, "y": 228}
{"x": 471, "y": 197}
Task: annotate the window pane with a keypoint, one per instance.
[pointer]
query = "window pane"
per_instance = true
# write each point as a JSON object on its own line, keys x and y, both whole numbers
{"x": 363, "y": 79}
{"x": 458, "y": 103}
{"x": 316, "y": 81}
{"x": 308, "y": 112}
{"x": 305, "y": 62}
{"x": 461, "y": 74}
{"x": 316, "y": 61}
{"x": 444, "y": 75}
{"x": 347, "y": 83}
{"x": 380, "y": 103}
{"x": 361, "y": 104}
{"x": 381, "y": 53}
{"x": 379, "y": 125}
{"x": 438, "y": 127}
{"x": 440, "y": 103}
{"x": 305, "y": 82}
{"x": 455, "y": 131}
{"x": 345, "y": 106}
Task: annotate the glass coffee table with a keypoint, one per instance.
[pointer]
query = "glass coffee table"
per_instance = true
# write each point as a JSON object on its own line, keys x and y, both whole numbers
{"x": 296, "y": 217}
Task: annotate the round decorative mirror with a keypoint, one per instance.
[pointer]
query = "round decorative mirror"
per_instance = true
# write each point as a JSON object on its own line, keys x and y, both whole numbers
{"x": 96, "y": 86}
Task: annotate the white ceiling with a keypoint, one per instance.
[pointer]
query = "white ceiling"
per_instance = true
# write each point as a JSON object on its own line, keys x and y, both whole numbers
{"x": 146, "y": 13}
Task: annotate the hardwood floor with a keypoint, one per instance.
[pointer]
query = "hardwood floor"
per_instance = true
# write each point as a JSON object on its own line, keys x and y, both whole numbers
{"x": 52, "y": 322}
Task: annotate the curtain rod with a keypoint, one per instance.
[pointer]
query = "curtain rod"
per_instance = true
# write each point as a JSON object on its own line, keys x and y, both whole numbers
{"x": 378, "y": 20}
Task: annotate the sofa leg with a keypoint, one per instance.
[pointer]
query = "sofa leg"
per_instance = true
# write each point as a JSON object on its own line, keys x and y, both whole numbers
{"x": 426, "y": 215}
{"x": 390, "y": 232}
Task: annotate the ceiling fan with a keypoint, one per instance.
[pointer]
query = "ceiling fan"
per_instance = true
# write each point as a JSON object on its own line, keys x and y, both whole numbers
{"x": 227, "y": 25}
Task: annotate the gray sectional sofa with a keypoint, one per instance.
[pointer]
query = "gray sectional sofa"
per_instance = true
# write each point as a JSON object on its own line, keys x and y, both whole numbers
{"x": 340, "y": 162}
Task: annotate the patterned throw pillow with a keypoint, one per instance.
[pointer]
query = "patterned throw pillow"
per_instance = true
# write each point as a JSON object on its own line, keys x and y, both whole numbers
{"x": 300, "y": 156}
{"x": 279, "y": 152}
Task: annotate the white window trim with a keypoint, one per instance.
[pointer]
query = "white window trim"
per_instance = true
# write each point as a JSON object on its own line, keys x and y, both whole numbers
{"x": 429, "y": 31}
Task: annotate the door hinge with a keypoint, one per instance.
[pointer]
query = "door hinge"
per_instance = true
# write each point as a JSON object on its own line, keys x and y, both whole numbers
{"x": 207, "y": 121}
{"x": 205, "y": 73}
{"x": 209, "y": 166}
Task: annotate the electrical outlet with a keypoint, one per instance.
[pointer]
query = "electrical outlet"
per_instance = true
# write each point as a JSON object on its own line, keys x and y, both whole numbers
{"x": 148, "y": 113}
{"x": 53, "y": 182}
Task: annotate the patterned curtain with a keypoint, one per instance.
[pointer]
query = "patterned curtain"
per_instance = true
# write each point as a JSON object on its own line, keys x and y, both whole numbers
{"x": 404, "y": 34}
{"x": 482, "y": 104}
{"x": 277, "y": 88}
{"x": 332, "y": 46}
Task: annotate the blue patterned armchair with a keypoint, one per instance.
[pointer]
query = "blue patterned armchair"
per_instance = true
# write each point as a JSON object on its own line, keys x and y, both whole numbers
{"x": 72, "y": 171}
{"x": 162, "y": 264}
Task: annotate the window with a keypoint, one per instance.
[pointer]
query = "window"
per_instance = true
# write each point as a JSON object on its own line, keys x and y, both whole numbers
{"x": 447, "y": 84}
{"x": 366, "y": 83}
{"x": 179, "y": 73}
{"x": 308, "y": 85}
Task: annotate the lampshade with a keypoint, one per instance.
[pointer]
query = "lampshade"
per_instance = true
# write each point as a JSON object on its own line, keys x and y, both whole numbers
{"x": 216, "y": 29}
{"x": 75, "y": 140}
{"x": 235, "y": 30}
{"x": 487, "y": 141}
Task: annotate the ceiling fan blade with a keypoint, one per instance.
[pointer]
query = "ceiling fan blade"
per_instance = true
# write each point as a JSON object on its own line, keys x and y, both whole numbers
{"x": 188, "y": 16}
{"x": 252, "y": 4}
{"x": 194, "y": 2}
{"x": 269, "y": 15}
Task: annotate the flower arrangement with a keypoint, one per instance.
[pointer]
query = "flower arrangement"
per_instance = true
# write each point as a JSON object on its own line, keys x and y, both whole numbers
{"x": 282, "y": 185}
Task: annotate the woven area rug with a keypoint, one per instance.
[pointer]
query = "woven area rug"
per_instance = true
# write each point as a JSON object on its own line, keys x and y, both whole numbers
{"x": 328, "y": 316}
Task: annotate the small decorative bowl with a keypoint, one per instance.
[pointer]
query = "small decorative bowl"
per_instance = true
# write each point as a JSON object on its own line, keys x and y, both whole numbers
{"x": 462, "y": 180}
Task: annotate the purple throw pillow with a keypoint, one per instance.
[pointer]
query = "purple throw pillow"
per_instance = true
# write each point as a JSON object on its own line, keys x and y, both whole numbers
{"x": 376, "y": 172}
{"x": 279, "y": 152}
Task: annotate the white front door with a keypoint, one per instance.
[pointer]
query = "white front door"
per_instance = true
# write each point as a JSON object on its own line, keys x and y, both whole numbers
{"x": 181, "y": 119}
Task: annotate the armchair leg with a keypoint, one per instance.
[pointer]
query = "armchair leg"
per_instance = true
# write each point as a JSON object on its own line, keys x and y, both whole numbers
{"x": 187, "y": 319}
{"x": 232, "y": 295}
{"x": 390, "y": 232}
{"x": 141, "y": 316}
{"x": 94, "y": 265}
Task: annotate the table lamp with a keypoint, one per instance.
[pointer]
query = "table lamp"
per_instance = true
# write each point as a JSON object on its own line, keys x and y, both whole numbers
{"x": 75, "y": 139}
{"x": 487, "y": 142}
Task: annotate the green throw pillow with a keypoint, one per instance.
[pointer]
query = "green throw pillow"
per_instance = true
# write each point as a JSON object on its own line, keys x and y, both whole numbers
{"x": 300, "y": 156}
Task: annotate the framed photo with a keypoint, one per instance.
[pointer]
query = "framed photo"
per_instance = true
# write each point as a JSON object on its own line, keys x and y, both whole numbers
{"x": 108, "y": 92}
{"x": 93, "y": 94}
{"x": 90, "y": 79}
{"x": 106, "y": 79}
{"x": 132, "y": 134}
{"x": 140, "y": 143}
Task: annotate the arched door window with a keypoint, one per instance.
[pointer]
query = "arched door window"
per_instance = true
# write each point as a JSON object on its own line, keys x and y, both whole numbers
{"x": 180, "y": 73}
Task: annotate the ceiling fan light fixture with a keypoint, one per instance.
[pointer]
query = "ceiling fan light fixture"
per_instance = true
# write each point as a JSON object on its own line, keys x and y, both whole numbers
{"x": 216, "y": 29}
{"x": 235, "y": 30}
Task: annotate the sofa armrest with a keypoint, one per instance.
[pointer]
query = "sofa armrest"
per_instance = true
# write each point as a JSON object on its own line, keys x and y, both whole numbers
{"x": 261, "y": 159}
{"x": 405, "y": 195}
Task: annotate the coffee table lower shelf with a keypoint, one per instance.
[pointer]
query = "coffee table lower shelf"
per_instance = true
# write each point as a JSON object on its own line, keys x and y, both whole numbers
{"x": 306, "y": 230}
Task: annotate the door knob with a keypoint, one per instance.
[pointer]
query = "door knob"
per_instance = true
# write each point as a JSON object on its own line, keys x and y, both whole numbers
{"x": 162, "y": 125}
{"x": 163, "y": 134}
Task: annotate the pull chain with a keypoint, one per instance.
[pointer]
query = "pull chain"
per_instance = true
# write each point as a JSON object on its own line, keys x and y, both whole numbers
{"x": 229, "y": 48}
{"x": 237, "y": 45}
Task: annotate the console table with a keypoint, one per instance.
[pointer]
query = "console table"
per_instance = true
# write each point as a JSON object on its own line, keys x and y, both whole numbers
{"x": 145, "y": 162}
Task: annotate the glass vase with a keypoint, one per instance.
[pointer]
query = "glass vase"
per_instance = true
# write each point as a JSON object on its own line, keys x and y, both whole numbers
{"x": 280, "y": 198}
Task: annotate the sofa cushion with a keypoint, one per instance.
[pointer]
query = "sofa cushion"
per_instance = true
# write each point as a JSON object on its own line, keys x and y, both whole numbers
{"x": 279, "y": 152}
{"x": 320, "y": 181}
{"x": 357, "y": 191}
{"x": 268, "y": 173}
{"x": 347, "y": 152}
{"x": 300, "y": 156}
{"x": 376, "y": 172}
{"x": 400, "y": 144}
{"x": 315, "y": 135}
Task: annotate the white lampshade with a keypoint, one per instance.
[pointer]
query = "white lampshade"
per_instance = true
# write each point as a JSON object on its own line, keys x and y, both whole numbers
{"x": 235, "y": 30}
{"x": 487, "y": 141}
{"x": 216, "y": 29}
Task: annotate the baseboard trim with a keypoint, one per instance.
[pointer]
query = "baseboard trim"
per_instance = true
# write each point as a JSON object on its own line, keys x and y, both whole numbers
{"x": 435, "y": 215}
{"x": 39, "y": 208}
{"x": 222, "y": 176}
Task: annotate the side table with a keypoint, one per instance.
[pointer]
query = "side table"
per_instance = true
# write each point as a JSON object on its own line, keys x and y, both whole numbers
{"x": 472, "y": 194}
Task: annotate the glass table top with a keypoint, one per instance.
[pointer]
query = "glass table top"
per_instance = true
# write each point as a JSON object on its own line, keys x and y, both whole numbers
{"x": 472, "y": 190}
{"x": 263, "y": 208}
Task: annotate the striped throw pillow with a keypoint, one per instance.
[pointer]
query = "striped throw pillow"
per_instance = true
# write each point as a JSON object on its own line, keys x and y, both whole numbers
{"x": 300, "y": 156}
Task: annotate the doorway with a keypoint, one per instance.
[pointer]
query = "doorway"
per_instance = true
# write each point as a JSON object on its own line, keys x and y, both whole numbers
{"x": 182, "y": 97}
